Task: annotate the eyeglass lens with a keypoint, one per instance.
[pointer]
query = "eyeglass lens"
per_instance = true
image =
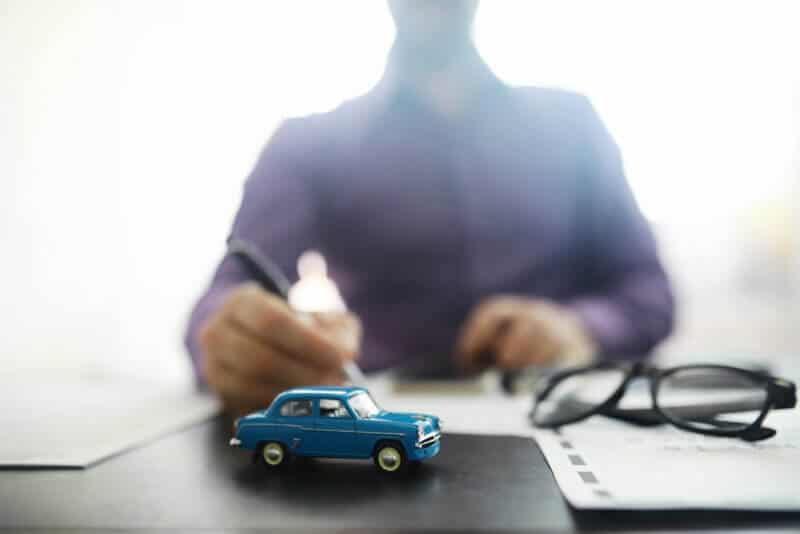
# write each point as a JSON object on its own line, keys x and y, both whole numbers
{"x": 577, "y": 395}
{"x": 710, "y": 398}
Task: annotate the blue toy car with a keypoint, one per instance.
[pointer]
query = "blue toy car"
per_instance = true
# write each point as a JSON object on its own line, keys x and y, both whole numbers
{"x": 337, "y": 422}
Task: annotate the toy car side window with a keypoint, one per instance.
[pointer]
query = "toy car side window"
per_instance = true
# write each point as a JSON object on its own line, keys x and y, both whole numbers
{"x": 332, "y": 408}
{"x": 296, "y": 408}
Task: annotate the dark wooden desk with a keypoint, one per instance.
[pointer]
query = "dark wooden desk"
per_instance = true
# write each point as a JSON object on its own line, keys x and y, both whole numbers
{"x": 192, "y": 480}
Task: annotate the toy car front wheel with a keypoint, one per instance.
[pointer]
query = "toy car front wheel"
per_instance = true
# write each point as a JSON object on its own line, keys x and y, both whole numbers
{"x": 390, "y": 457}
{"x": 273, "y": 454}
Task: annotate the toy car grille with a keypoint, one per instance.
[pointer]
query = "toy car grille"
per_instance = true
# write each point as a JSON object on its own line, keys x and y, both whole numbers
{"x": 429, "y": 440}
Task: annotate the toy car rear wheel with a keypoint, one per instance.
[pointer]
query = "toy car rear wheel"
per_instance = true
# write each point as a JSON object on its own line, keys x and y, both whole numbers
{"x": 273, "y": 454}
{"x": 390, "y": 457}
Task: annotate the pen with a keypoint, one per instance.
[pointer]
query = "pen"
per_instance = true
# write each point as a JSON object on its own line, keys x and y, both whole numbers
{"x": 270, "y": 276}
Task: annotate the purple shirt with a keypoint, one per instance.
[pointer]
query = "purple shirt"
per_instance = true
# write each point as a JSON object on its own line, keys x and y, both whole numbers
{"x": 421, "y": 217}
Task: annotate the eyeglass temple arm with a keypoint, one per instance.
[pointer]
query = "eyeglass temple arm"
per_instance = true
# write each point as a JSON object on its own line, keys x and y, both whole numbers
{"x": 756, "y": 433}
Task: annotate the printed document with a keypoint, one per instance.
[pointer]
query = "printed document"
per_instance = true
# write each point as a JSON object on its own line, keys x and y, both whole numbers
{"x": 607, "y": 464}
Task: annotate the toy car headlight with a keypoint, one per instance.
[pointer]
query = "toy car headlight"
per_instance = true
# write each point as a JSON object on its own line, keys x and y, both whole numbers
{"x": 420, "y": 432}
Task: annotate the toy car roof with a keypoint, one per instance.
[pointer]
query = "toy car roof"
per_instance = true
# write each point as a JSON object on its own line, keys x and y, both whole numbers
{"x": 338, "y": 392}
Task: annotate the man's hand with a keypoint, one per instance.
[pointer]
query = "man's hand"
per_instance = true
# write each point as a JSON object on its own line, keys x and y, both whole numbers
{"x": 517, "y": 332}
{"x": 255, "y": 347}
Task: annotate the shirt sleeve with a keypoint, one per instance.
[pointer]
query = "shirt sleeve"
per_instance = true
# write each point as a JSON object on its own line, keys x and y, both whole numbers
{"x": 276, "y": 215}
{"x": 626, "y": 303}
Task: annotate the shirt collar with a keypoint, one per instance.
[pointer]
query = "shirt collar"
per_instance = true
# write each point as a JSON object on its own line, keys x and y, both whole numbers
{"x": 392, "y": 88}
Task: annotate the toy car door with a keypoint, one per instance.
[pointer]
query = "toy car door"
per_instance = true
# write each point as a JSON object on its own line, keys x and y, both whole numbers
{"x": 296, "y": 418}
{"x": 334, "y": 427}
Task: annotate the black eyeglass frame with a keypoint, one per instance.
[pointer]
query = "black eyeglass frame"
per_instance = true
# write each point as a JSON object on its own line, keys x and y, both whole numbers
{"x": 780, "y": 394}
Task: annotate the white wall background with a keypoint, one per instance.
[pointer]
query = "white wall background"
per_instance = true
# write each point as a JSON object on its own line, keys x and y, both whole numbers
{"x": 128, "y": 126}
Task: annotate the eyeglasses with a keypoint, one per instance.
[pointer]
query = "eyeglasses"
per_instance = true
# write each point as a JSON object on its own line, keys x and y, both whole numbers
{"x": 715, "y": 400}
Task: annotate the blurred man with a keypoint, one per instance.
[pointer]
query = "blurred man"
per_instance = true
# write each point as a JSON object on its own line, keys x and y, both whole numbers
{"x": 464, "y": 221}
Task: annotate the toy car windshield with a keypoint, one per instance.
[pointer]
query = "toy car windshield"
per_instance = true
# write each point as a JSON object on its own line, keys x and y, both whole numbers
{"x": 364, "y": 405}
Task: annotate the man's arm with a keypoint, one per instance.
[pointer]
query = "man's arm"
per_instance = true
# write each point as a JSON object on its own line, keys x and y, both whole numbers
{"x": 622, "y": 304}
{"x": 627, "y": 303}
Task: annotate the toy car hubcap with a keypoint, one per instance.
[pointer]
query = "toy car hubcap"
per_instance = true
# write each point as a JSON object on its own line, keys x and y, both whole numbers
{"x": 389, "y": 459}
{"x": 273, "y": 454}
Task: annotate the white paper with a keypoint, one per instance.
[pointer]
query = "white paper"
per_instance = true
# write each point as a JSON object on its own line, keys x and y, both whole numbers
{"x": 606, "y": 464}
{"x": 74, "y": 424}
{"x": 489, "y": 413}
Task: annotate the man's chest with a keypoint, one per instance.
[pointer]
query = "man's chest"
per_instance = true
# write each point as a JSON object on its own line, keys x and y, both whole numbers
{"x": 479, "y": 204}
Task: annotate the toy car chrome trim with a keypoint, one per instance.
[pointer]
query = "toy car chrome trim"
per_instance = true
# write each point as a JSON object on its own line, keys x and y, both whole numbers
{"x": 428, "y": 439}
{"x": 313, "y": 429}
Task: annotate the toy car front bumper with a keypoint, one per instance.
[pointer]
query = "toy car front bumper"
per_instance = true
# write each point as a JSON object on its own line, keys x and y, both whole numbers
{"x": 235, "y": 442}
{"x": 424, "y": 453}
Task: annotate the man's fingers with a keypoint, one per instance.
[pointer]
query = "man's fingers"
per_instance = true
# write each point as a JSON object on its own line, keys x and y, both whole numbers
{"x": 483, "y": 327}
{"x": 344, "y": 328}
{"x": 242, "y": 393}
{"x": 526, "y": 342}
{"x": 520, "y": 331}
{"x": 250, "y": 357}
{"x": 267, "y": 317}
{"x": 237, "y": 394}
{"x": 515, "y": 345}
{"x": 548, "y": 344}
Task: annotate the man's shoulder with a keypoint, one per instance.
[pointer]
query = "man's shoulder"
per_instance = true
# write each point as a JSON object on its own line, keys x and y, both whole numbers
{"x": 554, "y": 110}
{"x": 349, "y": 114}
{"x": 319, "y": 136}
{"x": 549, "y": 100}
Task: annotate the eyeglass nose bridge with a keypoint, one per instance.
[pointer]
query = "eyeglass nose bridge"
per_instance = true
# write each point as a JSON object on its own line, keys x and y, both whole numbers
{"x": 648, "y": 371}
